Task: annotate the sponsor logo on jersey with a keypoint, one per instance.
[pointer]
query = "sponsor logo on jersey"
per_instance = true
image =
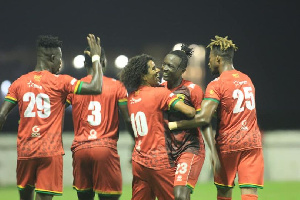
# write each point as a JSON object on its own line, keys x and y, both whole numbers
{"x": 32, "y": 84}
{"x": 179, "y": 178}
{"x": 244, "y": 125}
{"x": 93, "y": 135}
{"x": 192, "y": 85}
{"x": 133, "y": 100}
{"x": 237, "y": 83}
{"x": 35, "y": 132}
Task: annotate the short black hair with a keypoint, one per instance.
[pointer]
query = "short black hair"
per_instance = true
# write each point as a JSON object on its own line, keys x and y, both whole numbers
{"x": 133, "y": 72}
{"x": 184, "y": 54}
{"x": 48, "y": 41}
{"x": 88, "y": 59}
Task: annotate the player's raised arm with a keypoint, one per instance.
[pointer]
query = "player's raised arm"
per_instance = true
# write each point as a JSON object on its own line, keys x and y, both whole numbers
{"x": 6, "y": 107}
{"x": 95, "y": 86}
{"x": 208, "y": 108}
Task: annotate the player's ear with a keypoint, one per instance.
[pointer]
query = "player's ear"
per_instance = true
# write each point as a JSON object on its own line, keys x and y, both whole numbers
{"x": 218, "y": 59}
{"x": 52, "y": 57}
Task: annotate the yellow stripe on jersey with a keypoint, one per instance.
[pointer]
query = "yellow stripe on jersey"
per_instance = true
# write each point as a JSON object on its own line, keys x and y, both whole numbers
{"x": 68, "y": 101}
{"x": 172, "y": 103}
{"x": 108, "y": 192}
{"x": 122, "y": 101}
{"x": 11, "y": 98}
{"x": 56, "y": 193}
{"x": 76, "y": 87}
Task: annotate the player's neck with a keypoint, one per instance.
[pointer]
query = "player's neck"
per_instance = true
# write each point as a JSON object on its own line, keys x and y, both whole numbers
{"x": 40, "y": 66}
{"x": 226, "y": 67}
{"x": 174, "y": 83}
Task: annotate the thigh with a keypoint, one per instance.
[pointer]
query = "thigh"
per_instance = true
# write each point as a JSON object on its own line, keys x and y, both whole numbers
{"x": 189, "y": 166}
{"x": 50, "y": 175}
{"x": 229, "y": 162}
{"x": 106, "y": 169}
{"x": 140, "y": 184}
{"x": 82, "y": 171}
{"x": 26, "y": 173}
{"x": 251, "y": 169}
{"x": 162, "y": 183}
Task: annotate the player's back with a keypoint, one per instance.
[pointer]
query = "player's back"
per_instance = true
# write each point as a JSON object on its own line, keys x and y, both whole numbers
{"x": 146, "y": 106}
{"x": 237, "y": 112}
{"x": 96, "y": 117}
{"x": 41, "y": 97}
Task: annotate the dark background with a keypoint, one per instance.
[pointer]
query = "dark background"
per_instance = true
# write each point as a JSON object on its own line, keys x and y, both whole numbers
{"x": 266, "y": 32}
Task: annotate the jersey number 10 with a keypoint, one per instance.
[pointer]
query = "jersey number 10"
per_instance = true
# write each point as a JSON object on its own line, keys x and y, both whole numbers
{"x": 139, "y": 124}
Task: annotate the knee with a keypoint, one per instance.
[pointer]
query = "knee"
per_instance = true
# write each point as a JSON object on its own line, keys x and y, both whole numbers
{"x": 86, "y": 195}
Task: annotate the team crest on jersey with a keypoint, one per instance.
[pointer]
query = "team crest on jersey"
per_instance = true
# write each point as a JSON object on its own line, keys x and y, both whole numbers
{"x": 211, "y": 92}
{"x": 35, "y": 132}
{"x": 37, "y": 77}
{"x": 133, "y": 100}
{"x": 236, "y": 75}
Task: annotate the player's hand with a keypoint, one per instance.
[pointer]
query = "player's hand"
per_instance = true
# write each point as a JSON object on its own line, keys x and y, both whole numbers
{"x": 95, "y": 48}
{"x": 172, "y": 125}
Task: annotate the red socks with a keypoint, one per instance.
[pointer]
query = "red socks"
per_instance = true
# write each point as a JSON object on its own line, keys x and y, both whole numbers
{"x": 249, "y": 197}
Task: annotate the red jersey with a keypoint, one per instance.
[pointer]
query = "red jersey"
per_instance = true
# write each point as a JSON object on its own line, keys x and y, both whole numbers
{"x": 237, "y": 127}
{"x": 96, "y": 117}
{"x": 188, "y": 140}
{"x": 41, "y": 97}
{"x": 146, "y": 106}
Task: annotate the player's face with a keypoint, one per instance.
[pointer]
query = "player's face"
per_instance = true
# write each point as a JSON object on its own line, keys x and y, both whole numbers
{"x": 57, "y": 61}
{"x": 170, "y": 66}
{"x": 152, "y": 77}
{"x": 213, "y": 64}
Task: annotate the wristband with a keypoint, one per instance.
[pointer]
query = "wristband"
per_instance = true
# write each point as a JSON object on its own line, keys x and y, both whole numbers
{"x": 95, "y": 58}
{"x": 172, "y": 125}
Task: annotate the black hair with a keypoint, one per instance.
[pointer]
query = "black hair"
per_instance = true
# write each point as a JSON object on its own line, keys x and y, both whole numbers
{"x": 184, "y": 54}
{"x": 48, "y": 41}
{"x": 88, "y": 59}
{"x": 133, "y": 72}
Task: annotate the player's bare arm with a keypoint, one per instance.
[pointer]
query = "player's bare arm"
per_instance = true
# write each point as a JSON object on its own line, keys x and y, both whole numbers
{"x": 95, "y": 86}
{"x": 185, "y": 109}
{"x": 208, "y": 108}
{"x": 209, "y": 138}
{"x": 124, "y": 112}
{"x": 6, "y": 107}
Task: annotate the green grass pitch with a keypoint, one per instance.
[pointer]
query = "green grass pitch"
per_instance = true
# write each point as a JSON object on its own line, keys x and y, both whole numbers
{"x": 271, "y": 191}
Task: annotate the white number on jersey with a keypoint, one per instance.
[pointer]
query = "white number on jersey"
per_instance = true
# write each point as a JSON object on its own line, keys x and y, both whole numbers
{"x": 181, "y": 168}
{"x": 139, "y": 124}
{"x": 42, "y": 102}
{"x": 246, "y": 95}
{"x": 95, "y": 118}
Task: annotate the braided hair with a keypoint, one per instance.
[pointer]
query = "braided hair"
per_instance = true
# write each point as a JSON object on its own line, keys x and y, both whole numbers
{"x": 223, "y": 47}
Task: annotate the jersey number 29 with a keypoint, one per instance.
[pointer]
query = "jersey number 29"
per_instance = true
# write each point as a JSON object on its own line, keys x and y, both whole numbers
{"x": 42, "y": 102}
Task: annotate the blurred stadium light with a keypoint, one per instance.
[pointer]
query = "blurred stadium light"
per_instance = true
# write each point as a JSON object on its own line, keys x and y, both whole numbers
{"x": 78, "y": 62}
{"x": 121, "y": 61}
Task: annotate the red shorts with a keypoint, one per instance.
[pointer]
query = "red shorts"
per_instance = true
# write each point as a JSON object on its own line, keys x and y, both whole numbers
{"x": 249, "y": 164}
{"x": 45, "y": 174}
{"x": 189, "y": 166}
{"x": 149, "y": 183}
{"x": 97, "y": 169}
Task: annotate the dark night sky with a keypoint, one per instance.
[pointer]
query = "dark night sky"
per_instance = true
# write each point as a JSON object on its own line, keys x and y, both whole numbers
{"x": 266, "y": 32}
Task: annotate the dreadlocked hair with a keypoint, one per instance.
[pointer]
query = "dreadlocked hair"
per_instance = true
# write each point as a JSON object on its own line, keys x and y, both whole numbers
{"x": 132, "y": 73}
{"x": 223, "y": 47}
{"x": 184, "y": 54}
{"x": 48, "y": 41}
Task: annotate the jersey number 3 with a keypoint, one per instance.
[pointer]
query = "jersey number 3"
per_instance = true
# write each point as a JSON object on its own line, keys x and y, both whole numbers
{"x": 42, "y": 102}
{"x": 246, "y": 95}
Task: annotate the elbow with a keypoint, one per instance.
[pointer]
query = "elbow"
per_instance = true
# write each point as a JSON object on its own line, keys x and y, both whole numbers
{"x": 191, "y": 113}
{"x": 202, "y": 120}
